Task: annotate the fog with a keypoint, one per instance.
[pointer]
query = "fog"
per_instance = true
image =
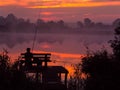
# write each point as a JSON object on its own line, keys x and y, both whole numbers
{"x": 72, "y": 44}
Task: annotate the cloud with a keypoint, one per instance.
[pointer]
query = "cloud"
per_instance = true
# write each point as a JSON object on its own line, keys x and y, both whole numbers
{"x": 103, "y": 0}
{"x": 59, "y": 3}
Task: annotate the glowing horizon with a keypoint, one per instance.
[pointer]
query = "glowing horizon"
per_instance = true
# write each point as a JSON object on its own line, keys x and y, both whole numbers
{"x": 60, "y": 56}
{"x": 63, "y": 55}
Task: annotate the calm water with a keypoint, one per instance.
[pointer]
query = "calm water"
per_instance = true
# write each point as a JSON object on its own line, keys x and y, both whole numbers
{"x": 64, "y": 47}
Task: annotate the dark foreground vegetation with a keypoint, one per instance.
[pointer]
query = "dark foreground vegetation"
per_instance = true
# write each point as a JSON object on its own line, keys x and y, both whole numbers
{"x": 22, "y": 75}
{"x": 101, "y": 69}
{"x": 11, "y": 78}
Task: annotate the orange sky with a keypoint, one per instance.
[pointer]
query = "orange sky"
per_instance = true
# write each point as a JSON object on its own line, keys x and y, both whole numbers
{"x": 59, "y": 3}
{"x": 58, "y": 59}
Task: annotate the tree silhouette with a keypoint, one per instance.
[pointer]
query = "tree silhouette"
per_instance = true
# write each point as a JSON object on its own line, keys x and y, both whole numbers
{"x": 13, "y": 24}
{"x": 116, "y": 22}
{"x": 115, "y": 44}
{"x": 4, "y": 70}
{"x": 11, "y": 78}
{"x": 103, "y": 69}
{"x": 80, "y": 24}
{"x": 87, "y": 22}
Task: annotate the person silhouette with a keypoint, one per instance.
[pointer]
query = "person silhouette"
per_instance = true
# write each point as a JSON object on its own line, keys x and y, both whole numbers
{"x": 28, "y": 58}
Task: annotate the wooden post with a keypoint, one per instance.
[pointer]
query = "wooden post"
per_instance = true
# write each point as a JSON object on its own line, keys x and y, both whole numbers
{"x": 66, "y": 79}
{"x": 45, "y": 60}
{"x": 60, "y": 76}
{"x": 37, "y": 77}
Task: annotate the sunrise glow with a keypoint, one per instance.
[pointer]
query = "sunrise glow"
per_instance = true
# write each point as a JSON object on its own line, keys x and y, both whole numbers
{"x": 59, "y": 3}
{"x": 63, "y": 55}
{"x": 67, "y": 55}
{"x": 77, "y": 4}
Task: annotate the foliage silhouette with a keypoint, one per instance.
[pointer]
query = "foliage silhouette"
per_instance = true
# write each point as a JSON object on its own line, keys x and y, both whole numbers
{"x": 103, "y": 69}
{"x": 76, "y": 82}
{"x": 115, "y": 44}
{"x": 4, "y": 70}
{"x": 11, "y": 78}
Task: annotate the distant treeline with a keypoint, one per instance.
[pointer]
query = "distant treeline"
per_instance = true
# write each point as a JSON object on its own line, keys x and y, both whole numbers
{"x": 11, "y": 23}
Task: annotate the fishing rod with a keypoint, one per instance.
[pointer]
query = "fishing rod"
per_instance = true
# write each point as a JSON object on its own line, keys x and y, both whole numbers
{"x": 36, "y": 29}
{"x": 34, "y": 39}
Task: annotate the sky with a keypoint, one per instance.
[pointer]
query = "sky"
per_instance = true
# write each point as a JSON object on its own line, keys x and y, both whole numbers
{"x": 68, "y": 10}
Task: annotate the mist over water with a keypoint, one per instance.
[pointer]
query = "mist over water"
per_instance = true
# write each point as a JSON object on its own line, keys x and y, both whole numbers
{"x": 73, "y": 44}
{"x": 58, "y": 37}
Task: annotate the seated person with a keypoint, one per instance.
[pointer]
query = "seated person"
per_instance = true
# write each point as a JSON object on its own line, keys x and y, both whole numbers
{"x": 28, "y": 58}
